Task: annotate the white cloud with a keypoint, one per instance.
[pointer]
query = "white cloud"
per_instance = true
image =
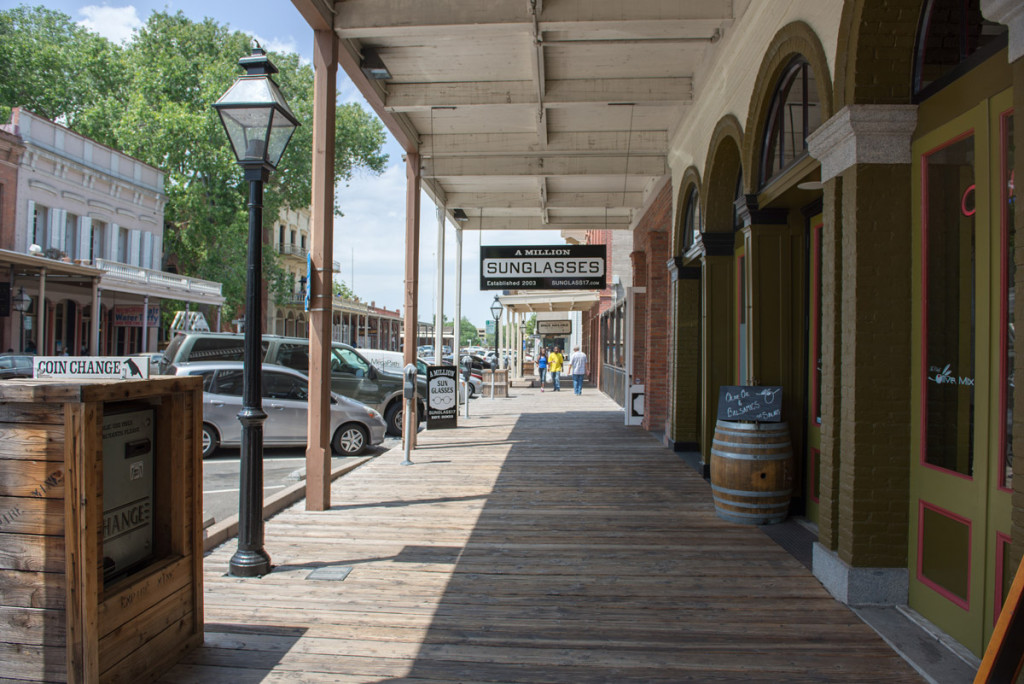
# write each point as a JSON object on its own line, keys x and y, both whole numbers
{"x": 279, "y": 45}
{"x": 116, "y": 24}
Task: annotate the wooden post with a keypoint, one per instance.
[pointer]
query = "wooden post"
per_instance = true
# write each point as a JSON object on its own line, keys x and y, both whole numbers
{"x": 412, "y": 269}
{"x": 318, "y": 449}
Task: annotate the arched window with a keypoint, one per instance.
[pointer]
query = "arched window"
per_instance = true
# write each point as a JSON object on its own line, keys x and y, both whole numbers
{"x": 795, "y": 113}
{"x": 691, "y": 219}
{"x": 952, "y": 38}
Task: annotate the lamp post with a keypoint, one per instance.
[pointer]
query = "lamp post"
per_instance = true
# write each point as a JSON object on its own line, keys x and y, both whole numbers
{"x": 496, "y": 309}
{"x": 259, "y": 125}
{"x": 21, "y": 302}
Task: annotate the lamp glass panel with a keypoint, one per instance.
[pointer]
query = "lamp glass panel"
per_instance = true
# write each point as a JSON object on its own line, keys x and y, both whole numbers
{"x": 281, "y": 130}
{"x": 256, "y": 90}
{"x": 247, "y": 128}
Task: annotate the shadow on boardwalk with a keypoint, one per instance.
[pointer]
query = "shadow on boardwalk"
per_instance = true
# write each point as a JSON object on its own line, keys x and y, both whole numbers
{"x": 548, "y": 544}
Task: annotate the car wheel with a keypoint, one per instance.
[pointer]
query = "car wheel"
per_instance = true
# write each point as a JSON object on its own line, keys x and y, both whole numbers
{"x": 394, "y": 417}
{"x": 210, "y": 440}
{"x": 472, "y": 390}
{"x": 350, "y": 439}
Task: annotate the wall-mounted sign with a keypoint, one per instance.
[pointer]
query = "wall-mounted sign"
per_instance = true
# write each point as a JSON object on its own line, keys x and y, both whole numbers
{"x": 131, "y": 316}
{"x": 750, "y": 403}
{"x": 554, "y": 327}
{"x": 90, "y": 367}
{"x": 442, "y": 397}
{"x": 543, "y": 267}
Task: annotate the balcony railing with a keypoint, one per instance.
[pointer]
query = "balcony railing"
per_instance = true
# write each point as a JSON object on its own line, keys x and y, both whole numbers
{"x": 297, "y": 251}
{"x": 171, "y": 284}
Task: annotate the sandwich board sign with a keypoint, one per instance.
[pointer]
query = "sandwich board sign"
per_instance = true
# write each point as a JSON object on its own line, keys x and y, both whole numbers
{"x": 442, "y": 397}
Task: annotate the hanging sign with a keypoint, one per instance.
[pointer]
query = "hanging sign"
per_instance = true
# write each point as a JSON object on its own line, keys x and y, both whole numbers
{"x": 442, "y": 397}
{"x": 90, "y": 367}
{"x": 554, "y": 327}
{"x": 543, "y": 267}
{"x": 750, "y": 403}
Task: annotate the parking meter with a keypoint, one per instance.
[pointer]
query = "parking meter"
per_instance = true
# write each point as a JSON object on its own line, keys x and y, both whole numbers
{"x": 409, "y": 382}
{"x": 467, "y": 368}
{"x": 409, "y": 394}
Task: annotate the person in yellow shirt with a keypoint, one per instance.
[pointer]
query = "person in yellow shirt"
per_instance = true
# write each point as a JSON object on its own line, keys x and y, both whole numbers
{"x": 555, "y": 360}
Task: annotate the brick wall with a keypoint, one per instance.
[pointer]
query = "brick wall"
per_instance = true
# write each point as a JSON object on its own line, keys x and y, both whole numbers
{"x": 652, "y": 321}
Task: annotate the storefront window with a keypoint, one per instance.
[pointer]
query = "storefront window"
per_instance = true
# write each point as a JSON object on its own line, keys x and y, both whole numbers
{"x": 794, "y": 115}
{"x": 1009, "y": 274}
{"x": 949, "y": 275}
{"x": 953, "y": 36}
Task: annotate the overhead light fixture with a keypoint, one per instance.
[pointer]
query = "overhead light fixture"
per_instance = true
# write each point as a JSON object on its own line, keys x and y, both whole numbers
{"x": 373, "y": 66}
{"x": 460, "y": 215}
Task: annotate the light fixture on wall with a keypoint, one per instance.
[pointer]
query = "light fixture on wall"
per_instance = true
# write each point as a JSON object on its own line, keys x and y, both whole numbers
{"x": 460, "y": 215}
{"x": 373, "y": 66}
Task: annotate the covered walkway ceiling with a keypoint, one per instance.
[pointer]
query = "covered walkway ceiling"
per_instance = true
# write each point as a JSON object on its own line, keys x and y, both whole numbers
{"x": 529, "y": 114}
{"x": 549, "y": 302}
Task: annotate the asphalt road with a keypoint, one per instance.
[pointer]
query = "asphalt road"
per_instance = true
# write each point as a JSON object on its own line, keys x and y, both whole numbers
{"x": 281, "y": 468}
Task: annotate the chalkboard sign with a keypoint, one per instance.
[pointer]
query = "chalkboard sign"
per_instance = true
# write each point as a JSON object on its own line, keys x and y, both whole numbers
{"x": 742, "y": 402}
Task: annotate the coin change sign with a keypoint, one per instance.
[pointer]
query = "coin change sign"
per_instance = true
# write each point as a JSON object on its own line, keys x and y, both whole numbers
{"x": 90, "y": 367}
{"x": 442, "y": 397}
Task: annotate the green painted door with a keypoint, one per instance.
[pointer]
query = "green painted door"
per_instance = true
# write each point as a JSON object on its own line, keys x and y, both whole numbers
{"x": 961, "y": 465}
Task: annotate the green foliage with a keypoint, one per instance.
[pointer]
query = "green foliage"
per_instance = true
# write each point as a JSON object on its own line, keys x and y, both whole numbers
{"x": 467, "y": 333}
{"x": 341, "y": 289}
{"x": 152, "y": 100}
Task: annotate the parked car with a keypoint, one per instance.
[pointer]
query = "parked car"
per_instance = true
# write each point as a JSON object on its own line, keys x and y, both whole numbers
{"x": 15, "y": 365}
{"x": 352, "y": 375}
{"x": 354, "y": 426}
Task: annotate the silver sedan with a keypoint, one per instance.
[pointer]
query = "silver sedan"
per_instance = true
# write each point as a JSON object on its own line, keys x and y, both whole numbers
{"x": 354, "y": 426}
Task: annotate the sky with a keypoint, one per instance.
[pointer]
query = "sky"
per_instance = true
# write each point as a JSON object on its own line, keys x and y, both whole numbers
{"x": 369, "y": 240}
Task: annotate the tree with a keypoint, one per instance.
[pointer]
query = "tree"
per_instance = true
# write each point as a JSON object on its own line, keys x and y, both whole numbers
{"x": 53, "y": 67}
{"x": 467, "y": 332}
{"x": 341, "y": 289}
{"x": 156, "y": 106}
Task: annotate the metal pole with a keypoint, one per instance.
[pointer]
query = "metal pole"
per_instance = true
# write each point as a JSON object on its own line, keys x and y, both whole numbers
{"x": 407, "y": 429}
{"x": 439, "y": 314}
{"x": 457, "y": 330}
{"x": 251, "y": 560}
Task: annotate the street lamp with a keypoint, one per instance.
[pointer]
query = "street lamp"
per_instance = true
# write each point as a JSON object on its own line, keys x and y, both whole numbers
{"x": 259, "y": 125}
{"x": 496, "y": 309}
{"x": 21, "y": 302}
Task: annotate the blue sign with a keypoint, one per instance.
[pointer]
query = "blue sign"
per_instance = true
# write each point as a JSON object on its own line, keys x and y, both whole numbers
{"x": 309, "y": 277}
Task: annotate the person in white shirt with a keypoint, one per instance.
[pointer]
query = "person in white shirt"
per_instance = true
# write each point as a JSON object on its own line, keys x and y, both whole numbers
{"x": 578, "y": 368}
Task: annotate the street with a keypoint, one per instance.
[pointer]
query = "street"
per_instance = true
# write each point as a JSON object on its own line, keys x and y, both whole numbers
{"x": 282, "y": 467}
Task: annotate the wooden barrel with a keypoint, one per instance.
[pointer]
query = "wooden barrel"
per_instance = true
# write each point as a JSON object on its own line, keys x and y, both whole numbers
{"x": 752, "y": 472}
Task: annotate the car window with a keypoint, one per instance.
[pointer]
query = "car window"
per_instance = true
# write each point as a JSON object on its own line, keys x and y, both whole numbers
{"x": 220, "y": 349}
{"x": 207, "y": 376}
{"x": 278, "y": 385}
{"x": 6, "y": 362}
{"x": 227, "y": 382}
{"x": 294, "y": 356}
{"x": 347, "y": 362}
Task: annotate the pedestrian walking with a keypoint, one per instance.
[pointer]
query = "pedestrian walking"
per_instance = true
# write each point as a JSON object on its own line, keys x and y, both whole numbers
{"x": 555, "y": 361}
{"x": 542, "y": 369}
{"x": 578, "y": 368}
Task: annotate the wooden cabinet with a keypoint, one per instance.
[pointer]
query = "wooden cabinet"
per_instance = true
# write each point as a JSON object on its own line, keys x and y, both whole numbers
{"x": 59, "y": 620}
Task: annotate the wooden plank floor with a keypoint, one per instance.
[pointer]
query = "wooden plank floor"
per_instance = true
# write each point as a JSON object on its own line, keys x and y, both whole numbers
{"x": 542, "y": 541}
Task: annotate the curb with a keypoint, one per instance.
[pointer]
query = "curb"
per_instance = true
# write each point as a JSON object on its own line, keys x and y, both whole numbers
{"x": 218, "y": 533}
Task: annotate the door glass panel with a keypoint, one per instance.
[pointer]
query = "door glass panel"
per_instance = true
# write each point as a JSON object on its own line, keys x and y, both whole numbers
{"x": 949, "y": 310}
{"x": 945, "y": 553}
{"x": 1008, "y": 196}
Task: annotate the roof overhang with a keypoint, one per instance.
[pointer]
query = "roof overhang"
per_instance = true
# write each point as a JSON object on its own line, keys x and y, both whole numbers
{"x": 543, "y": 302}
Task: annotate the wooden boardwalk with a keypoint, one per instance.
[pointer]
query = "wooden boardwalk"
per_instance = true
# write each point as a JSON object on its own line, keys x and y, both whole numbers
{"x": 542, "y": 541}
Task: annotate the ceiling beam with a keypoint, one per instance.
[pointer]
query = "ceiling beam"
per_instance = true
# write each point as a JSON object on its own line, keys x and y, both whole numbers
{"x": 535, "y": 223}
{"x": 547, "y": 165}
{"x": 408, "y": 97}
{"x": 575, "y": 143}
{"x": 554, "y": 200}
{"x": 394, "y": 18}
{"x": 319, "y": 14}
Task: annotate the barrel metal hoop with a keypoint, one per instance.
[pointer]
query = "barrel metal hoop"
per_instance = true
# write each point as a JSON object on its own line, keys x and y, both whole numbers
{"x": 748, "y": 494}
{"x": 751, "y": 457}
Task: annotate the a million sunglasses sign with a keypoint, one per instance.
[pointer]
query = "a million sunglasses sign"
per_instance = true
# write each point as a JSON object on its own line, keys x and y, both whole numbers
{"x": 543, "y": 267}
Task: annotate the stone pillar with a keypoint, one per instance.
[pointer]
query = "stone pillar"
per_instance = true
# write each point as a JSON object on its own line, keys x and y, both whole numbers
{"x": 865, "y": 157}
